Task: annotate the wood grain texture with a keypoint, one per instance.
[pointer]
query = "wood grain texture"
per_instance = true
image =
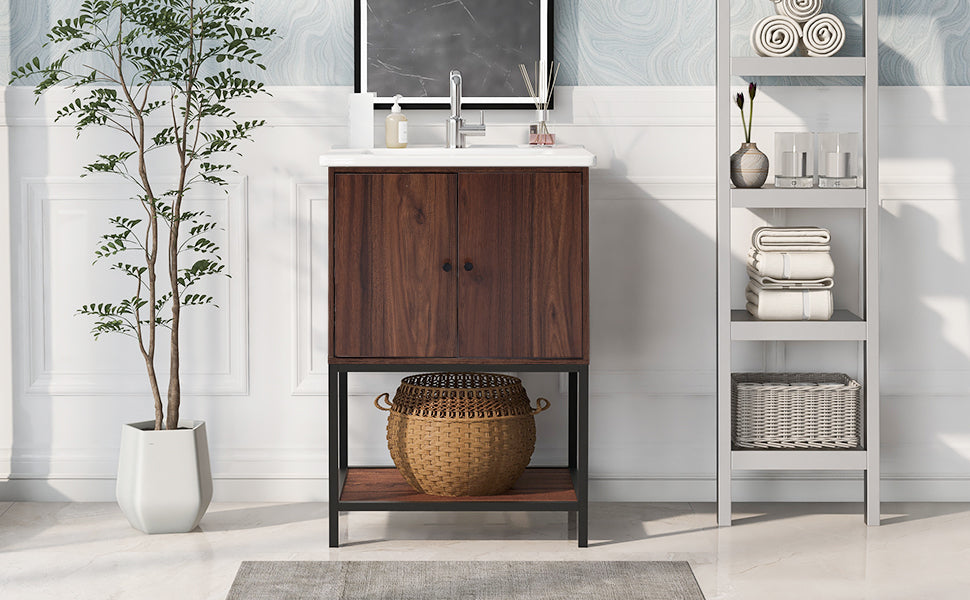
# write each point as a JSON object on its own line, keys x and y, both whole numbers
{"x": 522, "y": 233}
{"x": 432, "y": 360}
{"x": 387, "y": 485}
{"x": 391, "y": 235}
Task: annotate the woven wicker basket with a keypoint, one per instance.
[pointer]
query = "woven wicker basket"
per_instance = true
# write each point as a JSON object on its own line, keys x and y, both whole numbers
{"x": 461, "y": 434}
{"x": 796, "y": 410}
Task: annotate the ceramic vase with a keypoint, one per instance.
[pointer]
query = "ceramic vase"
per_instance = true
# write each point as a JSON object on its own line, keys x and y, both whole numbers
{"x": 749, "y": 166}
{"x": 164, "y": 477}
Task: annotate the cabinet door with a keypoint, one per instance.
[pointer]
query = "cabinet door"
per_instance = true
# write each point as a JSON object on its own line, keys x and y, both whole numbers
{"x": 393, "y": 239}
{"x": 521, "y": 249}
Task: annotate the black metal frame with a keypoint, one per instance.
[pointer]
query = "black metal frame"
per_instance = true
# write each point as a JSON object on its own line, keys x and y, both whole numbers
{"x": 578, "y": 434}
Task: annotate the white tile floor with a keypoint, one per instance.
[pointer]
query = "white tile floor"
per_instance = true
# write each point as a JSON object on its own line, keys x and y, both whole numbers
{"x": 774, "y": 551}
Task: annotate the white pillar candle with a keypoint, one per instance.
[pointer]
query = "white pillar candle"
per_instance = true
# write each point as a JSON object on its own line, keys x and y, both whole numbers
{"x": 838, "y": 164}
{"x": 794, "y": 164}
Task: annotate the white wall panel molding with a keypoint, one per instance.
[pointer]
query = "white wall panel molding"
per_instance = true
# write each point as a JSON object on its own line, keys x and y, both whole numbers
{"x": 605, "y": 187}
{"x": 640, "y": 106}
{"x": 289, "y": 106}
{"x": 310, "y": 319}
{"x": 687, "y": 106}
{"x": 6, "y": 291}
{"x": 42, "y": 200}
{"x": 914, "y": 188}
{"x": 666, "y": 383}
{"x": 915, "y": 385}
{"x": 652, "y": 197}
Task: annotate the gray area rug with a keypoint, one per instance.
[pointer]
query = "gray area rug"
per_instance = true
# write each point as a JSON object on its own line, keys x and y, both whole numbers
{"x": 466, "y": 580}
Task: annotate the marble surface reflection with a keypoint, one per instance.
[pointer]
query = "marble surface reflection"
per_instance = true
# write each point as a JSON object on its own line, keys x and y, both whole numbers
{"x": 792, "y": 551}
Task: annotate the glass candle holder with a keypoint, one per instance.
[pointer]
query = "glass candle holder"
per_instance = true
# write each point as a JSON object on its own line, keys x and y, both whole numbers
{"x": 838, "y": 160}
{"x": 794, "y": 160}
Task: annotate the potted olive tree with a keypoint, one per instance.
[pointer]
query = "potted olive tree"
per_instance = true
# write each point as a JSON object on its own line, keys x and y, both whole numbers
{"x": 130, "y": 65}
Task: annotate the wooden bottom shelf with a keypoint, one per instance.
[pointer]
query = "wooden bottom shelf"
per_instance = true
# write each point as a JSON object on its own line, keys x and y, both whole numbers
{"x": 386, "y": 485}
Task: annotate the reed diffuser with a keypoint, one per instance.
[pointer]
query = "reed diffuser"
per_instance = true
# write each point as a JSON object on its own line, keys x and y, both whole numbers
{"x": 541, "y": 94}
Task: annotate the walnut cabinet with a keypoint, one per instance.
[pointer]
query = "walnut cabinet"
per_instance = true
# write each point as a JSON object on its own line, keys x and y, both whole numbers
{"x": 459, "y": 269}
{"x": 462, "y": 264}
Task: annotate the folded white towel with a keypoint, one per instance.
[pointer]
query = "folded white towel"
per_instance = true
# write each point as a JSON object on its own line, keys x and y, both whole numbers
{"x": 776, "y": 35}
{"x": 784, "y": 305}
{"x": 791, "y": 265}
{"x": 791, "y": 239}
{"x": 823, "y": 35}
{"x": 774, "y": 283}
{"x": 800, "y": 10}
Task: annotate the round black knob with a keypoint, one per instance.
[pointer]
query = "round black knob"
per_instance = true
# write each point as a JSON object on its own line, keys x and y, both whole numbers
{"x": 446, "y": 267}
{"x": 469, "y": 266}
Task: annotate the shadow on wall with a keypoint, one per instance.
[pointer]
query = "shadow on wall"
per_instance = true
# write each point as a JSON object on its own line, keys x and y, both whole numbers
{"x": 926, "y": 238}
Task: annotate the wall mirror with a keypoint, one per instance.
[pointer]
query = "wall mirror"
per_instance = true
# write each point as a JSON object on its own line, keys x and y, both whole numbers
{"x": 408, "y": 47}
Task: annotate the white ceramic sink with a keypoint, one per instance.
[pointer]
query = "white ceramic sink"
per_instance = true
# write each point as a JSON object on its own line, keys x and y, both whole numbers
{"x": 473, "y": 156}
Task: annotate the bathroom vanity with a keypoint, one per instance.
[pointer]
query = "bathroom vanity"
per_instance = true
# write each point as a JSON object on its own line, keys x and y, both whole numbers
{"x": 468, "y": 259}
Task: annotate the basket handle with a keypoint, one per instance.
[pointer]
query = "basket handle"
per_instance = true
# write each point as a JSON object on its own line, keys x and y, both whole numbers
{"x": 539, "y": 406}
{"x": 385, "y": 396}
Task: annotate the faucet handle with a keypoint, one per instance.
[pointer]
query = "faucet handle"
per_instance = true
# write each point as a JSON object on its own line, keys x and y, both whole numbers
{"x": 482, "y": 121}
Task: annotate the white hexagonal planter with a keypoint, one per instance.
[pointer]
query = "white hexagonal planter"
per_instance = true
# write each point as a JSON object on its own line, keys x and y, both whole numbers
{"x": 164, "y": 477}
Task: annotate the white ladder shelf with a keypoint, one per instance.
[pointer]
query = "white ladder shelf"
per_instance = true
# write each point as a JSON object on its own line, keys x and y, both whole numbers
{"x": 860, "y": 326}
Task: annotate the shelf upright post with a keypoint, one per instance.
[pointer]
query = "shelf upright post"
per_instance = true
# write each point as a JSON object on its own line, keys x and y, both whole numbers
{"x": 871, "y": 260}
{"x": 723, "y": 245}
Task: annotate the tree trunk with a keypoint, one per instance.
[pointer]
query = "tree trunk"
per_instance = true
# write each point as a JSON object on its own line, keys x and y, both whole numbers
{"x": 156, "y": 394}
{"x": 174, "y": 380}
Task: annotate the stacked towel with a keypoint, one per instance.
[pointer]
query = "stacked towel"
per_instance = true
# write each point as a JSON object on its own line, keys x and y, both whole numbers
{"x": 791, "y": 265}
{"x": 798, "y": 24}
{"x": 790, "y": 274}
{"x": 791, "y": 239}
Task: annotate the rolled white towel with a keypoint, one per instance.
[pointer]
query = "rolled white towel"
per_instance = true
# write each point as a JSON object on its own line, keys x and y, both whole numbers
{"x": 800, "y": 10}
{"x": 823, "y": 35}
{"x": 791, "y": 239}
{"x": 776, "y": 35}
{"x": 791, "y": 265}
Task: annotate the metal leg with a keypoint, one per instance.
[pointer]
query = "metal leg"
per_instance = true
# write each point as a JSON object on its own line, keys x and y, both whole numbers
{"x": 334, "y": 445}
{"x": 573, "y": 425}
{"x": 582, "y": 456}
{"x": 342, "y": 398}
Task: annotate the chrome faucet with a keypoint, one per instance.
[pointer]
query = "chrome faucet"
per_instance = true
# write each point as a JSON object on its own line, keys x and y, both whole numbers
{"x": 455, "y": 127}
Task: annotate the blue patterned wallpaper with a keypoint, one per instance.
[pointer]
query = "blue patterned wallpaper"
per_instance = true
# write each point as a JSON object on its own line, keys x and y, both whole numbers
{"x": 600, "y": 42}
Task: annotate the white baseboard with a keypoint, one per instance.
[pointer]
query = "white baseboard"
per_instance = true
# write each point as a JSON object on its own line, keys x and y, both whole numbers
{"x": 779, "y": 487}
{"x": 224, "y": 490}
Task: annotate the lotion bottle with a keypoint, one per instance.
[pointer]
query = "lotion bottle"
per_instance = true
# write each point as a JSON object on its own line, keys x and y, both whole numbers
{"x": 396, "y": 126}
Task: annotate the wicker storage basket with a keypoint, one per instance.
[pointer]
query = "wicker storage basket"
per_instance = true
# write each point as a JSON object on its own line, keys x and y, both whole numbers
{"x": 796, "y": 410}
{"x": 461, "y": 434}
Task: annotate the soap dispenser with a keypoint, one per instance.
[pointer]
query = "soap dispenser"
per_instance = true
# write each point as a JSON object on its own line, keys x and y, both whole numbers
{"x": 396, "y": 126}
